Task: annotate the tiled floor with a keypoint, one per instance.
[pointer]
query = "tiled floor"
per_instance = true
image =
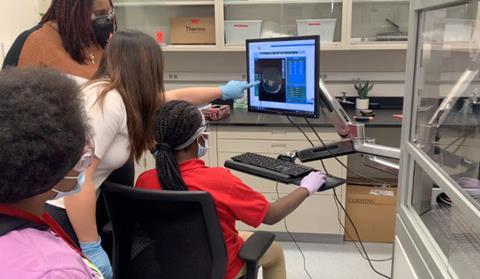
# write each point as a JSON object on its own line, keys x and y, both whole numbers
{"x": 332, "y": 261}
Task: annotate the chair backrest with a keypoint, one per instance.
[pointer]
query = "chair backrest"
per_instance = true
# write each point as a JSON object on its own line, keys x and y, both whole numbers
{"x": 164, "y": 234}
{"x": 124, "y": 175}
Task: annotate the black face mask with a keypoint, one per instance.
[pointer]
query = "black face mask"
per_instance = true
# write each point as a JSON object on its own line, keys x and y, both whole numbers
{"x": 103, "y": 27}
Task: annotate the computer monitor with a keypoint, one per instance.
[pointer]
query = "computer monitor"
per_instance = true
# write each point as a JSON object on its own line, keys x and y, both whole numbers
{"x": 288, "y": 71}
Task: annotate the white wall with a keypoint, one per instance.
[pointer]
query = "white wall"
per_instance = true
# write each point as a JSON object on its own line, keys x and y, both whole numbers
{"x": 338, "y": 69}
{"x": 16, "y": 16}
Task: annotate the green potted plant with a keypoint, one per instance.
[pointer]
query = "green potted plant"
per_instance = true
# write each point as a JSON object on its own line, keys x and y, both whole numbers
{"x": 362, "y": 87}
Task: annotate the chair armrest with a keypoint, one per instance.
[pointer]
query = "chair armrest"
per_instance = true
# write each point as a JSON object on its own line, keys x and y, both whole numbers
{"x": 255, "y": 246}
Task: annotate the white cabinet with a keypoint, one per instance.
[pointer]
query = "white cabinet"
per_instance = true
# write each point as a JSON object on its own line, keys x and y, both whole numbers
{"x": 342, "y": 24}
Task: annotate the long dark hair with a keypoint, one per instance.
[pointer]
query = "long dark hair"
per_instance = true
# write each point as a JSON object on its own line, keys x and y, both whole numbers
{"x": 133, "y": 65}
{"x": 175, "y": 123}
{"x": 73, "y": 18}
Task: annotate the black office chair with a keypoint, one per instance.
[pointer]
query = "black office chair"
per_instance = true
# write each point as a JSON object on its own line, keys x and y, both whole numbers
{"x": 124, "y": 175}
{"x": 172, "y": 234}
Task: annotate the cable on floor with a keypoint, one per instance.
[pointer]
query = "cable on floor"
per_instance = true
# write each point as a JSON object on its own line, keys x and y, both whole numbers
{"x": 338, "y": 202}
{"x": 293, "y": 238}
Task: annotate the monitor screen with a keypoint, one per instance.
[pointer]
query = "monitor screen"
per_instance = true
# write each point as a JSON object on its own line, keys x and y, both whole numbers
{"x": 288, "y": 70}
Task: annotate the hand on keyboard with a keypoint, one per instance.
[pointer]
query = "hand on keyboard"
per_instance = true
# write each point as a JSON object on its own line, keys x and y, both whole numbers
{"x": 313, "y": 181}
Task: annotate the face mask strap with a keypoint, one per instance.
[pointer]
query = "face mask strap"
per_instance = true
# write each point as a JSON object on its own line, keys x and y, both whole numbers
{"x": 193, "y": 138}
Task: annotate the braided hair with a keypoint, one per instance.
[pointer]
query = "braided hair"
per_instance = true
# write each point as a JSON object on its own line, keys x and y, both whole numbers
{"x": 175, "y": 123}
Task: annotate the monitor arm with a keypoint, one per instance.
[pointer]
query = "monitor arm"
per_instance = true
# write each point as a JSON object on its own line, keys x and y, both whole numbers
{"x": 353, "y": 139}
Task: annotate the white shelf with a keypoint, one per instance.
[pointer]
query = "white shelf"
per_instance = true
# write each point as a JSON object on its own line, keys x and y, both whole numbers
{"x": 377, "y": 1}
{"x": 278, "y": 2}
{"x": 450, "y": 46}
{"x": 164, "y": 3}
{"x": 329, "y": 46}
{"x": 233, "y": 48}
{"x": 241, "y": 48}
{"x": 190, "y": 48}
{"x": 379, "y": 46}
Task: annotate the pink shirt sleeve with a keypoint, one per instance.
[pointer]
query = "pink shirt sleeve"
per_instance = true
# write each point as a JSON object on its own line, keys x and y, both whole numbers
{"x": 34, "y": 253}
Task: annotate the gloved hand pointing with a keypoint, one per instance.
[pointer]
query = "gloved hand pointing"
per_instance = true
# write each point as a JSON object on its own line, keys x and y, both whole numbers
{"x": 313, "y": 181}
{"x": 96, "y": 254}
{"x": 234, "y": 89}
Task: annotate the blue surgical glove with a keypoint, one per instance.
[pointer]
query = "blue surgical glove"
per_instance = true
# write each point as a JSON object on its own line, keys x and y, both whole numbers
{"x": 96, "y": 254}
{"x": 234, "y": 89}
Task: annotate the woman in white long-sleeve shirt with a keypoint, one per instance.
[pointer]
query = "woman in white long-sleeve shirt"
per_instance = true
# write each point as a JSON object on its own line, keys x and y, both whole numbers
{"x": 120, "y": 101}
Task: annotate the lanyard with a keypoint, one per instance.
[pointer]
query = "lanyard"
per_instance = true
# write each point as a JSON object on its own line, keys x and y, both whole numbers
{"x": 45, "y": 219}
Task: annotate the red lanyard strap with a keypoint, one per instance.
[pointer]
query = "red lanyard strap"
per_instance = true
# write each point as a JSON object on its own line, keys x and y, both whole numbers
{"x": 45, "y": 219}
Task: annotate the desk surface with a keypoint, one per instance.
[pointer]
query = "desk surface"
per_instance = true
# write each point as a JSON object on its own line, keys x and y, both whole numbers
{"x": 241, "y": 117}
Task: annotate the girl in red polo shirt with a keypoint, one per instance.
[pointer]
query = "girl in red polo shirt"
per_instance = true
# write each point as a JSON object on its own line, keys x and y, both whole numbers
{"x": 179, "y": 133}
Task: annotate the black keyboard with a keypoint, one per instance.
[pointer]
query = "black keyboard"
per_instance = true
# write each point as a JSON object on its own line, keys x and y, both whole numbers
{"x": 250, "y": 163}
{"x": 288, "y": 168}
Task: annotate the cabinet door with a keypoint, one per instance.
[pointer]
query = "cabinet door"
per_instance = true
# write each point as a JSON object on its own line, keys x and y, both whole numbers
{"x": 316, "y": 215}
{"x": 380, "y": 21}
{"x": 250, "y": 19}
{"x": 155, "y": 18}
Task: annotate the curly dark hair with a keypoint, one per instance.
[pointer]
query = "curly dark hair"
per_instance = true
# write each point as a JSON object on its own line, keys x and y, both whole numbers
{"x": 43, "y": 131}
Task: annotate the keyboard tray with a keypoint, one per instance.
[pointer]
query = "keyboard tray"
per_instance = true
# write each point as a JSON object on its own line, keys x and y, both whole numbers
{"x": 332, "y": 181}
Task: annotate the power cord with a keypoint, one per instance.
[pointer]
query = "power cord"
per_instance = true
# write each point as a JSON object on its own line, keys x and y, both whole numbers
{"x": 354, "y": 242}
{"x": 338, "y": 202}
{"x": 293, "y": 238}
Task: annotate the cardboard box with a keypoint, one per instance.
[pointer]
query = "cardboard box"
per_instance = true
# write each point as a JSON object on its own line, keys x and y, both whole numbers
{"x": 192, "y": 30}
{"x": 374, "y": 215}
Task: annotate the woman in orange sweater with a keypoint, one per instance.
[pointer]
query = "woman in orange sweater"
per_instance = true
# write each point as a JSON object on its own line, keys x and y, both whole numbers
{"x": 70, "y": 38}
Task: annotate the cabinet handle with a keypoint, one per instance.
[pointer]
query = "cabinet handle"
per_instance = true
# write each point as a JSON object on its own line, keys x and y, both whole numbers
{"x": 273, "y": 199}
{"x": 278, "y": 145}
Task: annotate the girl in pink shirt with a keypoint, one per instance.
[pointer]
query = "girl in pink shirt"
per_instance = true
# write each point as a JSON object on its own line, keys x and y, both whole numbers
{"x": 43, "y": 156}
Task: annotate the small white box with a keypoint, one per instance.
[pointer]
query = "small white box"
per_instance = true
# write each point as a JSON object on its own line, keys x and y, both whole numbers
{"x": 323, "y": 27}
{"x": 237, "y": 31}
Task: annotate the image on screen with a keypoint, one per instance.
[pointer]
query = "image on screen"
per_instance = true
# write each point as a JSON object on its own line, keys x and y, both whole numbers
{"x": 287, "y": 73}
